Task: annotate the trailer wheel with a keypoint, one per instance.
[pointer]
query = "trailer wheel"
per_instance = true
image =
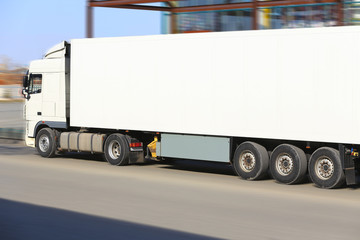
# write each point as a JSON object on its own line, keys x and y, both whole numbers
{"x": 325, "y": 168}
{"x": 45, "y": 142}
{"x": 117, "y": 150}
{"x": 251, "y": 161}
{"x": 288, "y": 164}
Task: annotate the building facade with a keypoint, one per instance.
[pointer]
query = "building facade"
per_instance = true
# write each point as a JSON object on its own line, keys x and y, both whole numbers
{"x": 185, "y": 16}
{"x": 267, "y": 17}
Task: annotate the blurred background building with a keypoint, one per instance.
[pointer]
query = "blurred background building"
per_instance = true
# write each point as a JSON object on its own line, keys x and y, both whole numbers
{"x": 10, "y": 79}
{"x": 186, "y": 16}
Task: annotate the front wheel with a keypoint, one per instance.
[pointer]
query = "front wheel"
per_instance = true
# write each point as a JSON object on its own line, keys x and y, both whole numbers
{"x": 117, "y": 150}
{"x": 45, "y": 142}
{"x": 325, "y": 168}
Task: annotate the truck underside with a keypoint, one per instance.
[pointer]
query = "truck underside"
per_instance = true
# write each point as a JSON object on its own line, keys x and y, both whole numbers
{"x": 328, "y": 165}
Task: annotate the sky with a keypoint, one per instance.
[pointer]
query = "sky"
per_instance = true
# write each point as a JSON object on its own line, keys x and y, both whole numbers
{"x": 28, "y": 28}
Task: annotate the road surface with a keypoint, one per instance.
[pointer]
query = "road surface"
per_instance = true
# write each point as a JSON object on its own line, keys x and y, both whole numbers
{"x": 79, "y": 196}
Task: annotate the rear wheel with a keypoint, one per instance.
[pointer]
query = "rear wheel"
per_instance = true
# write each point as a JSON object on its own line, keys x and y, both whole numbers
{"x": 325, "y": 168}
{"x": 45, "y": 142}
{"x": 288, "y": 164}
{"x": 117, "y": 150}
{"x": 251, "y": 161}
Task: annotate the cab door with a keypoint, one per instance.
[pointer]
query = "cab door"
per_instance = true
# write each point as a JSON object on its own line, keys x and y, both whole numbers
{"x": 34, "y": 103}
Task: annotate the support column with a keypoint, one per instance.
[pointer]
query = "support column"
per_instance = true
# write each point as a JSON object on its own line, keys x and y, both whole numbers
{"x": 89, "y": 20}
{"x": 340, "y": 13}
{"x": 254, "y": 15}
{"x": 173, "y": 22}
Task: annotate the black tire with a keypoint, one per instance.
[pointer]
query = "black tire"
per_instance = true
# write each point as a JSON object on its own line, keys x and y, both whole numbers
{"x": 325, "y": 168}
{"x": 288, "y": 164}
{"x": 117, "y": 150}
{"x": 251, "y": 161}
{"x": 45, "y": 142}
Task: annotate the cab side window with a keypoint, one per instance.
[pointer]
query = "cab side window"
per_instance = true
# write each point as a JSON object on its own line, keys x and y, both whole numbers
{"x": 35, "y": 83}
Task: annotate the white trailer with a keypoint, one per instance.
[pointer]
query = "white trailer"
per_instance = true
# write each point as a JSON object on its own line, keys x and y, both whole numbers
{"x": 278, "y": 101}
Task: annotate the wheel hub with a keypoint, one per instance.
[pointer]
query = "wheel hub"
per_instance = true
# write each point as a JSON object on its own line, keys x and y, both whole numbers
{"x": 324, "y": 168}
{"x": 247, "y": 161}
{"x": 44, "y": 143}
{"x": 114, "y": 149}
{"x": 284, "y": 164}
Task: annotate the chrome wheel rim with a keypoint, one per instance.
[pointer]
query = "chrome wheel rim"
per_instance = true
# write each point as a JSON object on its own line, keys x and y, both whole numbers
{"x": 114, "y": 149}
{"x": 247, "y": 161}
{"x": 284, "y": 164}
{"x": 44, "y": 143}
{"x": 324, "y": 168}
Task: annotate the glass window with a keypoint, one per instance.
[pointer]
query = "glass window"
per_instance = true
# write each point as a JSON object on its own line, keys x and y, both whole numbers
{"x": 291, "y": 16}
{"x": 351, "y": 13}
{"x": 35, "y": 83}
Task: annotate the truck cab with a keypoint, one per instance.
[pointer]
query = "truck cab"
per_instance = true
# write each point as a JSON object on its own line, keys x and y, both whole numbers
{"x": 46, "y": 88}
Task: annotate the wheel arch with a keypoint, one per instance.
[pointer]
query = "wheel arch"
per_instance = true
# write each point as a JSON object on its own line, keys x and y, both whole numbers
{"x": 49, "y": 124}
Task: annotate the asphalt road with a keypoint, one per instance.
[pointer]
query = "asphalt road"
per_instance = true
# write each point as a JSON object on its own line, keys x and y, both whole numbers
{"x": 79, "y": 196}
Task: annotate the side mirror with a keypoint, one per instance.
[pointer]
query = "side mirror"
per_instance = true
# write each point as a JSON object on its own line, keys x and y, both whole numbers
{"x": 25, "y": 81}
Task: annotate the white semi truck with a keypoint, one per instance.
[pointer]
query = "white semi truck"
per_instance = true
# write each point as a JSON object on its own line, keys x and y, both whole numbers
{"x": 283, "y": 103}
